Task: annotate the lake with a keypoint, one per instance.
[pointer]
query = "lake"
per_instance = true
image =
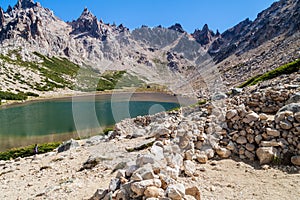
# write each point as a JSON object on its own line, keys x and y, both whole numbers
{"x": 75, "y": 117}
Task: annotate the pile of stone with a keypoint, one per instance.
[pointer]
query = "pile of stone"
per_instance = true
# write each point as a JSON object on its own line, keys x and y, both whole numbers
{"x": 236, "y": 126}
{"x": 153, "y": 176}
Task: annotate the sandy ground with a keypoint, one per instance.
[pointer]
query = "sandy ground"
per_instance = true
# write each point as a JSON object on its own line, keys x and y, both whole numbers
{"x": 57, "y": 176}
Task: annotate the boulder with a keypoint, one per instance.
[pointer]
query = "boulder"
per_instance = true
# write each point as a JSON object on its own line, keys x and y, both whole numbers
{"x": 293, "y": 107}
{"x": 295, "y": 98}
{"x": 70, "y": 144}
{"x": 266, "y": 154}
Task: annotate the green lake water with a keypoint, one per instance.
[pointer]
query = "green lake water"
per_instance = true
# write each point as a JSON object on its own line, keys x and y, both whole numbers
{"x": 62, "y": 119}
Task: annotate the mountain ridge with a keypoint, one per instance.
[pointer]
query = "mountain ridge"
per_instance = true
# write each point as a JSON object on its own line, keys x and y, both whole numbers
{"x": 166, "y": 56}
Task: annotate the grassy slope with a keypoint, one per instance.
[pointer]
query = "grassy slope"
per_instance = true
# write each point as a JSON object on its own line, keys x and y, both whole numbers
{"x": 284, "y": 69}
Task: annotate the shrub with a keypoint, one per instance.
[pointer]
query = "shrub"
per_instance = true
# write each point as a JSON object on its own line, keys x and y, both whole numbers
{"x": 28, "y": 151}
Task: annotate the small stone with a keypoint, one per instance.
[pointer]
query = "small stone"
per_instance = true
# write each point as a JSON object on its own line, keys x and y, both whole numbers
{"x": 223, "y": 152}
{"x": 121, "y": 173}
{"x": 189, "y": 167}
{"x": 176, "y": 192}
{"x": 266, "y": 154}
{"x": 296, "y": 160}
{"x": 153, "y": 191}
{"x": 231, "y": 113}
{"x": 263, "y": 116}
{"x": 286, "y": 125}
{"x": 230, "y": 146}
{"x": 241, "y": 140}
{"x": 139, "y": 187}
{"x": 114, "y": 184}
{"x": 194, "y": 192}
{"x": 249, "y": 155}
{"x": 143, "y": 173}
{"x": 297, "y": 116}
{"x": 202, "y": 158}
{"x": 265, "y": 167}
{"x": 144, "y": 159}
{"x": 99, "y": 194}
{"x": 252, "y": 117}
{"x": 250, "y": 147}
{"x": 273, "y": 132}
{"x": 269, "y": 144}
{"x": 189, "y": 155}
{"x": 258, "y": 139}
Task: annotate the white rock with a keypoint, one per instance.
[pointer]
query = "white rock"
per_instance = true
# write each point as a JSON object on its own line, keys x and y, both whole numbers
{"x": 144, "y": 159}
{"x": 189, "y": 167}
{"x": 139, "y": 187}
{"x": 176, "y": 192}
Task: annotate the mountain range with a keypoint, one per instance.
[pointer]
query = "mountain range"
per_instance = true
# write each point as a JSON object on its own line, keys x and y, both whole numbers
{"x": 40, "y": 53}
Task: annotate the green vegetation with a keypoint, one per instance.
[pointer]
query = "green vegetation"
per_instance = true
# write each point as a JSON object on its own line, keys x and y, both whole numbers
{"x": 116, "y": 80}
{"x": 28, "y": 151}
{"x": 174, "y": 109}
{"x": 285, "y": 69}
{"x": 55, "y": 70}
{"x": 140, "y": 148}
{"x": 107, "y": 130}
{"x": 12, "y": 96}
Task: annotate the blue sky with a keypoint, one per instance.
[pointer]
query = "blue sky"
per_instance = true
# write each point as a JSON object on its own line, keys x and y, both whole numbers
{"x": 191, "y": 14}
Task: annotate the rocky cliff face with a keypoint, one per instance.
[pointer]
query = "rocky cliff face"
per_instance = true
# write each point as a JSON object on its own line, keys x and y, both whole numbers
{"x": 280, "y": 19}
{"x": 147, "y": 51}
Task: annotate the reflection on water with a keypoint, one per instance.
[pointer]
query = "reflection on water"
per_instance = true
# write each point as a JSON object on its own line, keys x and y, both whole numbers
{"x": 61, "y": 119}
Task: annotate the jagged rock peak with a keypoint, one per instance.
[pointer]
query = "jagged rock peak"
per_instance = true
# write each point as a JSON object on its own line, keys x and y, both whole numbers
{"x": 177, "y": 27}
{"x": 23, "y": 4}
{"x": 86, "y": 14}
{"x": 205, "y": 28}
{"x": 204, "y": 36}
